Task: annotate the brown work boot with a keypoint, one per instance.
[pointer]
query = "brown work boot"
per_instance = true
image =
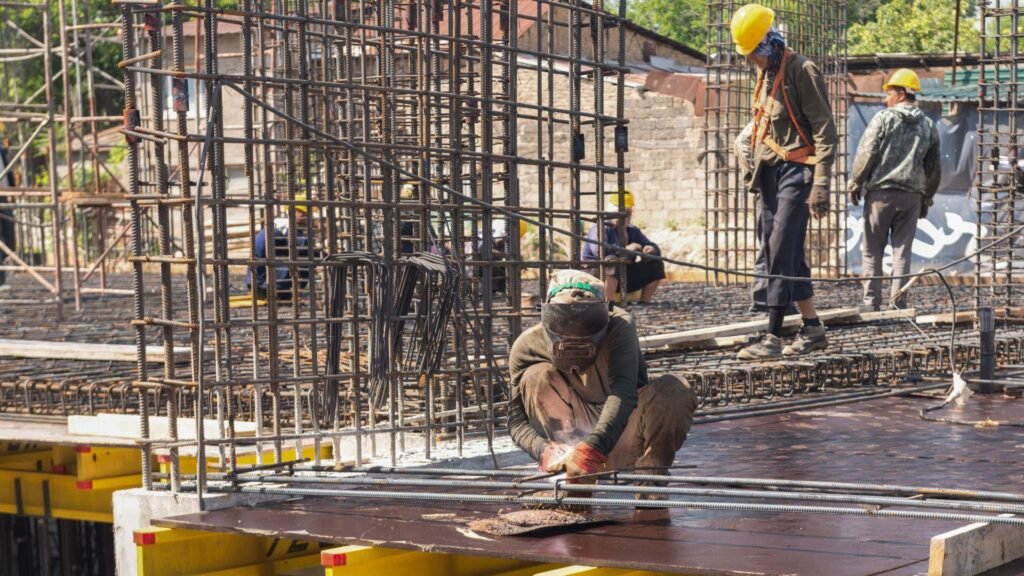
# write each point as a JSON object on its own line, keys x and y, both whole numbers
{"x": 768, "y": 347}
{"x": 809, "y": 339}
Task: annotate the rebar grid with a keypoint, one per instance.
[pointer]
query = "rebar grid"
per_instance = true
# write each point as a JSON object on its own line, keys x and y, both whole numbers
{"x": 817, "y": 30}
{"x": 615, "y": 489}
{"x": 393, "y": 127}
{"x": 68, "y": 204}
{"x": 1000, "y": 167}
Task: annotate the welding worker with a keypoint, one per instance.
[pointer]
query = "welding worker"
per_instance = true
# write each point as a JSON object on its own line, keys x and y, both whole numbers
{"x": 792, "y": 141}
{"x": 642, "y": 275}
{"x": 256, "y": 278}
{"x": 896, "y": 172}
{"x": 581, "y": 400}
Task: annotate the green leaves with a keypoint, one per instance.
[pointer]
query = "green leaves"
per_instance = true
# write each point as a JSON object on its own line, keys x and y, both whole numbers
{"x": 915, "y": 26}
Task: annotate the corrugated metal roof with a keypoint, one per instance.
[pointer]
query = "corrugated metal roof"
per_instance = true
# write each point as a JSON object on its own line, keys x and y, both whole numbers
{"x": 966, "y": 93}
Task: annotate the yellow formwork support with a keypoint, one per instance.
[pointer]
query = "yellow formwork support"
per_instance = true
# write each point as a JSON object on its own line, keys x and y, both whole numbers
{"x": 165, "y": 552}
{"x": 60, "y": 495}
{"x": 34, "y": 461}
{"x": 103, "y": 462}
{"x": 367, "y": 561}
{"x": 187, "y": 463}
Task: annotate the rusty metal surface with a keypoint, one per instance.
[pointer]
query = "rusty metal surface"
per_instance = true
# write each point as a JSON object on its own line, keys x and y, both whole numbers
{"x": 879, "y": 441}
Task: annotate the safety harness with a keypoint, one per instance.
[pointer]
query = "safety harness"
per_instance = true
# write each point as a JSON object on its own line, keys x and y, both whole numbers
{"x": 802, "y": 155}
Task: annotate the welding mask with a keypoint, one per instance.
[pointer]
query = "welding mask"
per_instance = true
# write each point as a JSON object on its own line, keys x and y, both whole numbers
{"x": 575, "y": 331}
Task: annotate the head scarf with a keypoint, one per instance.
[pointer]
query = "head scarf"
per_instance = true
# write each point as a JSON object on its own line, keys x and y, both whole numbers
{"x": 773, "y": 47}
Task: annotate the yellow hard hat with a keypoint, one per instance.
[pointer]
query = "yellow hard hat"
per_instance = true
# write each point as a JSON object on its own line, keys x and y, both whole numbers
{"x": 408, "y": 192}
{"x": 522, "y": 228}
{"x": 613, "y": 200}
{"x": 904, "y": 78}
{"x": 301, "y": 197}
{"x": 750, "y": 24}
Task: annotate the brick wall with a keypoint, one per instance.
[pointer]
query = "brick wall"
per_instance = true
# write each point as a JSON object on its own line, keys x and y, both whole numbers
{"x": 665, "y": 140}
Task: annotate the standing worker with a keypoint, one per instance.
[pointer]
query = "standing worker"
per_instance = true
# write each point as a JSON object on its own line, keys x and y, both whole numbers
{"x": 643, "y": 275}
{"x": 792, "y": 141}
{"x": 7, "y": 232}
{"x": 581, "y": 399}
{"x": 896, "y": 172}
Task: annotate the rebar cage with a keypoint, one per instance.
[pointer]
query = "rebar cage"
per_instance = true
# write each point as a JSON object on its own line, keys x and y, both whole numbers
{"x": 374, "y": 146}
{"x": 816, "y": 29}
{"x": 999, "y": 271}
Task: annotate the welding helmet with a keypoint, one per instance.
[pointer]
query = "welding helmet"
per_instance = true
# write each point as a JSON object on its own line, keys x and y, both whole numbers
{"x": 575, "y": 319}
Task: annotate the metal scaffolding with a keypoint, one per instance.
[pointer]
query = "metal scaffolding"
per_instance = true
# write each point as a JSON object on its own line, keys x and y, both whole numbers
{"x": 999, "y": 272}
{"x": 816, "y": 29}
{"x": 66, "y": 204}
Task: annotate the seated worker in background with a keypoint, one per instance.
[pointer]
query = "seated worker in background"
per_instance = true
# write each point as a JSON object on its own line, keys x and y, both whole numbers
{"x": 581, "y": 398}
{"x": 642, "y": 275}
{"x": 256, "y": 278}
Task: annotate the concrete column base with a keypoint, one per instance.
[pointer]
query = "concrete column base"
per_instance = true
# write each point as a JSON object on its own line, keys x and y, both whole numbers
{"x": 137, "y": 508}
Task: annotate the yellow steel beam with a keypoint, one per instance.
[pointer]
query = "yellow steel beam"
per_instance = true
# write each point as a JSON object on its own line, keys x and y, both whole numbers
{"x": 362, "y": 560}
{"x": 187, "y": 463}
{"x": 60, "y": 495}
{"x": 163, "y": 551}
{"x": 34, "y": 461}
{"x": 103, "y": 462}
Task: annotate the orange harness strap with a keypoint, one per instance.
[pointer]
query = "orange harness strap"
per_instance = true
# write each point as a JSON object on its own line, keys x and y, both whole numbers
{"x": 802, "y": 155}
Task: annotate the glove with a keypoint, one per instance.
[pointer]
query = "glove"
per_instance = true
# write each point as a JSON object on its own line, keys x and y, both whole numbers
{"x": 855, "y": 193}
{"x": 553, "y": 458}
{"x": 585, "y": 459}
{"x": 924, "y": 210}
{"x": 818, "y": 201}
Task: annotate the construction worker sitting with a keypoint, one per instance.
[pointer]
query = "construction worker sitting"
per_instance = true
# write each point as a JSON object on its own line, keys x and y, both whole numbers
{"x": 581, "y": 398}
{"x": 793, "y": 139}
{"x": 897, "y": 172}
{"x": 643, "y": 276}
{"x": 256, "y": 277}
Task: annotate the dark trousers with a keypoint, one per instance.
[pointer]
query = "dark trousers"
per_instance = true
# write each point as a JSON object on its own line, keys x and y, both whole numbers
{"x": 759, "y": 287}
{"x": 7, "y": 235}
{"x": 642, "y": 273}
{"x": 784, "y": 215}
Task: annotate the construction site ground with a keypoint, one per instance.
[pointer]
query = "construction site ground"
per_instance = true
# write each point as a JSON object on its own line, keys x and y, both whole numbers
{"x": 881, "y": 441}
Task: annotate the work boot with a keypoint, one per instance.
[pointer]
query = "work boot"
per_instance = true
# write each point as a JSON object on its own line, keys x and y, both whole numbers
{"x": 770, "y": 346}
{"x": 809, "y": 339}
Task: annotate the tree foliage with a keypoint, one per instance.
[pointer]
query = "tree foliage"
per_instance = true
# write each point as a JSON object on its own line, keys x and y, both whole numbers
{"x": 915, "y": 26}
{"x": 25, "y": 77}
{"x": 684, "y": 21}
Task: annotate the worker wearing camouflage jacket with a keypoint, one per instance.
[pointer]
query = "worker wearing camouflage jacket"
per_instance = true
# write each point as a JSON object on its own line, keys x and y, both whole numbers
{"x": 582, "y": 401}
{"x": 896, "y": 172}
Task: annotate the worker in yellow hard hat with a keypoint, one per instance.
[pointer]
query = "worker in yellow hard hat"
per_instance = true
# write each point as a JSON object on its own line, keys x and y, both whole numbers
{"x": 643, "y": 276}
{"x": 256, "y": 277}
{"x": 786, "y": 156}
{"x": 896, "y": 172}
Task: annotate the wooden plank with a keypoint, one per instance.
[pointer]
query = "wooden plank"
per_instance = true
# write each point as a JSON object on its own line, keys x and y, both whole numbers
{"x": 127, "y": 426}
{"x": 84, "y": 351}
{"x": 975, "y": 549}
{"x": 705, "y": 336}
{"x": 971, "y": 316}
